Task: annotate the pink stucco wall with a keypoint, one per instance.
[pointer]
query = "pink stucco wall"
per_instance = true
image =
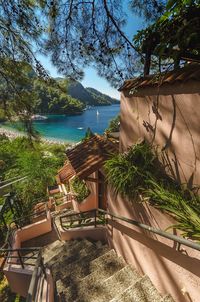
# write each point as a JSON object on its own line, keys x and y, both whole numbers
{"x": 64, "y": 205}
{"x": 34, "y": 230}
{"x": 171, "y": 122}
{"x": 18, "y": 278}
{"x": 91, "y": 202}
{"x": 170, "y": 270}
{"x": 98, "y": 233}
{"x": 167, "y": 117}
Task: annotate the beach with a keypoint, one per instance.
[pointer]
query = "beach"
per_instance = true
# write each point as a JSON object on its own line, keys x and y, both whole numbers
{"x": 12, "y": 134}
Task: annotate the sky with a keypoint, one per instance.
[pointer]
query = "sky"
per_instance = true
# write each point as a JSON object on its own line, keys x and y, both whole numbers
{"x": 91, "y": 79}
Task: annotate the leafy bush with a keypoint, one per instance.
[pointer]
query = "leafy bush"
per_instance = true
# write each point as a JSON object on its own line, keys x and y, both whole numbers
{"x": 139, "y": 171}
{"x": 174, "y": 203}
{"x": 114, "y": 124}
{"x": 88, "y": 134}
{"x": 58, "y": 195}
{"x": 128, "y": 172}
{"x": 39, "y": 161}
{"x": 80, "y": 189}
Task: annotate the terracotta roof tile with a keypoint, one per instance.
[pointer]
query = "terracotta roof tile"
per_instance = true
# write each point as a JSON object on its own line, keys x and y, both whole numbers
{"x": 87, "y": 157}
{"x": 189, "y": 72}
{"x": 65, "y": 173}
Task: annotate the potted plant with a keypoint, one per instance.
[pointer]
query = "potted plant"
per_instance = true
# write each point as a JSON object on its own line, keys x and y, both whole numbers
{"x": 61, "y": 201}
{"x": 81, "y": 193}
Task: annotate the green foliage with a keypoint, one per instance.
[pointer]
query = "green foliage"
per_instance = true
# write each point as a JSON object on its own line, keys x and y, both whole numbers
{"x": 148, "y": 9}
{"x": 139, "y": 172}
{"x": 2, "y": 115}
{"x": 114, "y": 124}
{"x": 174, "y": 203}
{"x": 38, "y": 161}
{"x": 100, "y": 98}
{"x": 174, "y": 35}
{"x": 80, "y": 189}
{"x": 54, "y": 99}
{"x": 88, "y": 134}
{"x": 128, "y": 172}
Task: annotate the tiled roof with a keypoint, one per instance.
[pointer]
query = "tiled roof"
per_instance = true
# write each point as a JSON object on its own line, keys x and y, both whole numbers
{"x": 189, "y": 72}
{"x": 87, "y": 157}
{"x": 65, "y": 173}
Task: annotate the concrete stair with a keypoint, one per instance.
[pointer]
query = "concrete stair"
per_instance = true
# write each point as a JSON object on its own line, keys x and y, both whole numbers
{"x": 85, "y": 271}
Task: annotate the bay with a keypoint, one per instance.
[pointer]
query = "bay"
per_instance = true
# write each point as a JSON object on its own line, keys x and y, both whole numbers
{"x": 73, "y": 128}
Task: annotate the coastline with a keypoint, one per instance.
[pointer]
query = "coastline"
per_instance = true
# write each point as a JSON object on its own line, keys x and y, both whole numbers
{"x": 12, "y": 134}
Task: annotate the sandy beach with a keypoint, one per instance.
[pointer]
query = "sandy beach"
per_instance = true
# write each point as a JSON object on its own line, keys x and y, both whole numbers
{"x": 12, "y": 134}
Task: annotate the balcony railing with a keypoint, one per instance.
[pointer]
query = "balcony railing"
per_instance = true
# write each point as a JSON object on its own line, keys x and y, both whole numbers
{"x": 19, "y": 256}
{"x": 82, "y": 219}
{"x": 99, "y": 216}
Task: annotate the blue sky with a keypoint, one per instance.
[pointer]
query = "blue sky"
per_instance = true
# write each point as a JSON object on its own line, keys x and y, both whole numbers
{"x": 91, "y": 79}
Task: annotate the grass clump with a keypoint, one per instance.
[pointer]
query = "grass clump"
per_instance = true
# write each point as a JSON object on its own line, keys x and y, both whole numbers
{"x": 80, "y": 189}
{"x": 114, "y": 124}
{"x": 173, "y": 202}
{"x": 139, "y": 171}
{"x": 128, "y": 172}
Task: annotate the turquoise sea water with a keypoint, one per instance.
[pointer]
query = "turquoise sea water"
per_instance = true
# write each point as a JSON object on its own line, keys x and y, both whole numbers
{"x": 73, "y": 128}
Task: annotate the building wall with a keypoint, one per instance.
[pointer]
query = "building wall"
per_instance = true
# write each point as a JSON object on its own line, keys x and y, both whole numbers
{"x": 169, "y": 118}
{"x": 91, "y": 202}
{"x": 171, "y": 271}
{"x": 168, "y": 121}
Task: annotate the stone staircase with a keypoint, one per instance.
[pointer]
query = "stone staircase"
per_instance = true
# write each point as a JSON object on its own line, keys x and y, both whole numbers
{"x": 85, "y": 271}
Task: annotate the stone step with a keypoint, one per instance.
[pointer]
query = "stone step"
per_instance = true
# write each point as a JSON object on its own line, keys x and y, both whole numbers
{"x": 101, "y": 291}
{"x": 72, "y": 273}
{"x": 60, "y": 269}
{"x": 68, "y": 250}
{"x": 142, "y": 291}
{"x": 167, "y": 298}
{"x": 56, "y": 244}
{"x": 107, "y": 261}
{"x": 103, "y": 266}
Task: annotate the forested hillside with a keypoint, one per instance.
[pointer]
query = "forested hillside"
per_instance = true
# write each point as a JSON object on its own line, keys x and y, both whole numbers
{"x": 89, "y": 96}
{"x": 54, "y": 99}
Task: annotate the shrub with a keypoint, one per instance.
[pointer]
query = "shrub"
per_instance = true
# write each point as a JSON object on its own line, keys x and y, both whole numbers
{"x": 114, "y": 124}
{"x": 129, "y": 171}
{"x": 139, "y": 171}
{"x": 80, "y": 189}
{"x": 188, "y": 220}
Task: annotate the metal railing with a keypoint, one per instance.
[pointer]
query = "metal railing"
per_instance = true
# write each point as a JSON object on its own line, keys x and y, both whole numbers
{"x": 6, "y": 184}
{"x": 159, "y": 232}
{"x": 21, "y": 255}
{"x": 82, "y": 219}
{"x": 38, "y": 276}
{"x": 67, "y": 218}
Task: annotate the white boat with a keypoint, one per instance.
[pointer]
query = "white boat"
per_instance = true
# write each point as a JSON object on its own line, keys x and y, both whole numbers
{"x": 37, "y": 117}
{"x": 97, "y": 112}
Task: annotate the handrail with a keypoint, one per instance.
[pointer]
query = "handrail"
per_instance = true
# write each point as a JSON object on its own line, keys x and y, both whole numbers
{"x": 4, "y": 182}
{"x": 39, "y": 271}
{"x": 159, "y": 232}
{"x": 78, "y": 213}
{"x": 12, "y": 182}
{"x": 7, "y": 249}
{"x": 33, "y": 215}
{"x": 9, "y": 254}
{"x": 80, "y": 218}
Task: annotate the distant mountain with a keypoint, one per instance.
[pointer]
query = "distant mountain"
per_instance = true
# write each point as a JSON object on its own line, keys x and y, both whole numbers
{"x": 101, "y": 98}
{"x": 89, "y": 96}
